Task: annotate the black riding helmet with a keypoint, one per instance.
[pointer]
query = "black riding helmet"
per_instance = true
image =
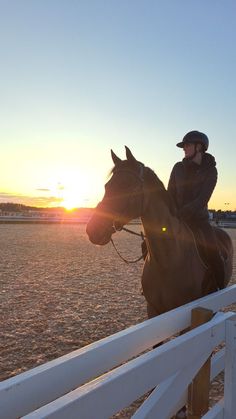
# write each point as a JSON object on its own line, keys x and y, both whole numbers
{"x": 195, "y": 137}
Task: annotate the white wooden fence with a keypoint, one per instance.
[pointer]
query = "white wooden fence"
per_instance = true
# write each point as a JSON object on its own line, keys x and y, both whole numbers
{"x": 99, "y": 380}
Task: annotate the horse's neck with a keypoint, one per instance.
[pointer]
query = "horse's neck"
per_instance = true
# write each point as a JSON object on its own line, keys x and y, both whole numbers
{"x": 161, "y": 229}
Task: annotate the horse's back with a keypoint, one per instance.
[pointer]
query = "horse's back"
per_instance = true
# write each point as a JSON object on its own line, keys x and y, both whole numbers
{"x": 226, "y": 249}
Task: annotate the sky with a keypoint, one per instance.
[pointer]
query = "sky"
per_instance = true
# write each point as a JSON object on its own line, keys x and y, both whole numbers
{"x": 82, "y": 77}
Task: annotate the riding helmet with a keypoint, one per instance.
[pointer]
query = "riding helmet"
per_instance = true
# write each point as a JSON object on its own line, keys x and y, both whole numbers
{"x": 195, "y": 137}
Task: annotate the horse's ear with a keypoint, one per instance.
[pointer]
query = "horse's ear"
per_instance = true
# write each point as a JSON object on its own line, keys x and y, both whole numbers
{"x": 114, "y": 157}
{"x": 129, "y": 155}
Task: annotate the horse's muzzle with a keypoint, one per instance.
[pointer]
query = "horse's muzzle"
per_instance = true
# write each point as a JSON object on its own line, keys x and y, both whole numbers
{"x": 99, "y": 233}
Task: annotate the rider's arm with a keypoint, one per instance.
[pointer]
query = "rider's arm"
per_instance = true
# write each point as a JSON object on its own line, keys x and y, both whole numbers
{"x": 199, "y": 203}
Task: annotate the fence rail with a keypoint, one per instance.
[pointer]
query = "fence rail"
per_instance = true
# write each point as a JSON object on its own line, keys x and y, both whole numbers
{"x": 100, "y": 379}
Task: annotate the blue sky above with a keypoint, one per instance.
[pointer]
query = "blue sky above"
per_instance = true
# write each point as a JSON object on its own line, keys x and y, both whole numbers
{"x": 81, "y": 77}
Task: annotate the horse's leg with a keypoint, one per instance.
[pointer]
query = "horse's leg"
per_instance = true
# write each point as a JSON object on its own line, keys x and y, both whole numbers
{"x": 151, "y": 311}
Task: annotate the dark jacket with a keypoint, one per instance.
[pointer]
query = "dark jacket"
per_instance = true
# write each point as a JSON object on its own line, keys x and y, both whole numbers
{"x": 191, "y": 186}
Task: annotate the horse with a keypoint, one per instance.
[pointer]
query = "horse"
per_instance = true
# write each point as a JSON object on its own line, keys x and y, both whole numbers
{"x": 174, "y": 272}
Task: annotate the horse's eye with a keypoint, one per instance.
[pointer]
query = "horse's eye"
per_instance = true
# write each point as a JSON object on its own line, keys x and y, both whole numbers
{"x": 117, "y": 185}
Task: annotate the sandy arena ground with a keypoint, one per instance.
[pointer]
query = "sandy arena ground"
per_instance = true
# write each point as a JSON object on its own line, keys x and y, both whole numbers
{"x": 58, "y": 293}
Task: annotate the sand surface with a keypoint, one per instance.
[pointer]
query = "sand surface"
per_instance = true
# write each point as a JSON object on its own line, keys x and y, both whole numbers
{"x": 58, "y": 293}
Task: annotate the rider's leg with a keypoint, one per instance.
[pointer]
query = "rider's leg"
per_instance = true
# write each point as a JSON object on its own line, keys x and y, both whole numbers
{"x": 213, "y": 255}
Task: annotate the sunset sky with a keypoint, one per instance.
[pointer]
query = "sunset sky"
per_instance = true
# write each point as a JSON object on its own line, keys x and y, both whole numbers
{"x": 81, "y": 77}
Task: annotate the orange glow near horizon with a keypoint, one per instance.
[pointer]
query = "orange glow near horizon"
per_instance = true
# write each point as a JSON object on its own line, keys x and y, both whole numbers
{"x": 71, "y": 198}
{"x": 70, "y": 203}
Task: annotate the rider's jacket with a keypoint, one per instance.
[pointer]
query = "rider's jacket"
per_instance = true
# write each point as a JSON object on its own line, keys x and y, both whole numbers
{"x": 191, "y": 186}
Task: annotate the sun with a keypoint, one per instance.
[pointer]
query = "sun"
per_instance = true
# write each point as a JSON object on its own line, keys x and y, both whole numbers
{"x": 70, "y": 203}
{"x": 71, "y": 193}
{"x": 67, "y": 188}
{"x": 72, "y": 197}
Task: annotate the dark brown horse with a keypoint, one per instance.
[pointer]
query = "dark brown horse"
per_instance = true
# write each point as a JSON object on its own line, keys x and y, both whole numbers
{"x": 174, "y": 273}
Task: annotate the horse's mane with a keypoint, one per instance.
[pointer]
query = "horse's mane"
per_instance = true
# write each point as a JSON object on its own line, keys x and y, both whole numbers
{"x": 157, "y": 188}
{"x": 153, "y": 179}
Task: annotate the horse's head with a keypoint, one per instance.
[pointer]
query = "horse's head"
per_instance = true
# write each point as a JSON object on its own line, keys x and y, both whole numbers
{"x": 122, "y": 201}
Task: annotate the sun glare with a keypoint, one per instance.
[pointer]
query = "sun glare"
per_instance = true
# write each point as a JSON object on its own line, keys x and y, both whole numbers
{"x": 70, "y": 203}
{"x": 75, "y": 188}
{"x": 72, "y": 197}
{"x": 71, "y": 191}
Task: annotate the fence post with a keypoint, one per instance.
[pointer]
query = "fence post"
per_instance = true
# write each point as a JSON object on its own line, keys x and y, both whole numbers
{"x": 230, "y": 369}
{"x": 198, "y": 393}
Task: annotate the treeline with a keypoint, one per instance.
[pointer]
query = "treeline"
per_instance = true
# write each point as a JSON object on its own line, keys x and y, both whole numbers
{"x": 12, "y": 207}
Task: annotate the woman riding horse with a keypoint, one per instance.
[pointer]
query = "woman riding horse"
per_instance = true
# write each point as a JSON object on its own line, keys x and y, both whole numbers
{"x": 174, "y": 272}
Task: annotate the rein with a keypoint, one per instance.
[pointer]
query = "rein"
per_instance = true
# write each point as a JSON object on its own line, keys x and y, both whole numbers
{"x": 117, "y": 251}
{"x": 133, "y": 232}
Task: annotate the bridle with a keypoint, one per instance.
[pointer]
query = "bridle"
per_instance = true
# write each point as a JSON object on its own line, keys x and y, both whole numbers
{"x": 139, "y": 190}
{"x": 140, "y": 177}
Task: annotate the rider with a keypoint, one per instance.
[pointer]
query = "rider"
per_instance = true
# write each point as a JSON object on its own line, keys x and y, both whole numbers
{"x": 191, "y": 184}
